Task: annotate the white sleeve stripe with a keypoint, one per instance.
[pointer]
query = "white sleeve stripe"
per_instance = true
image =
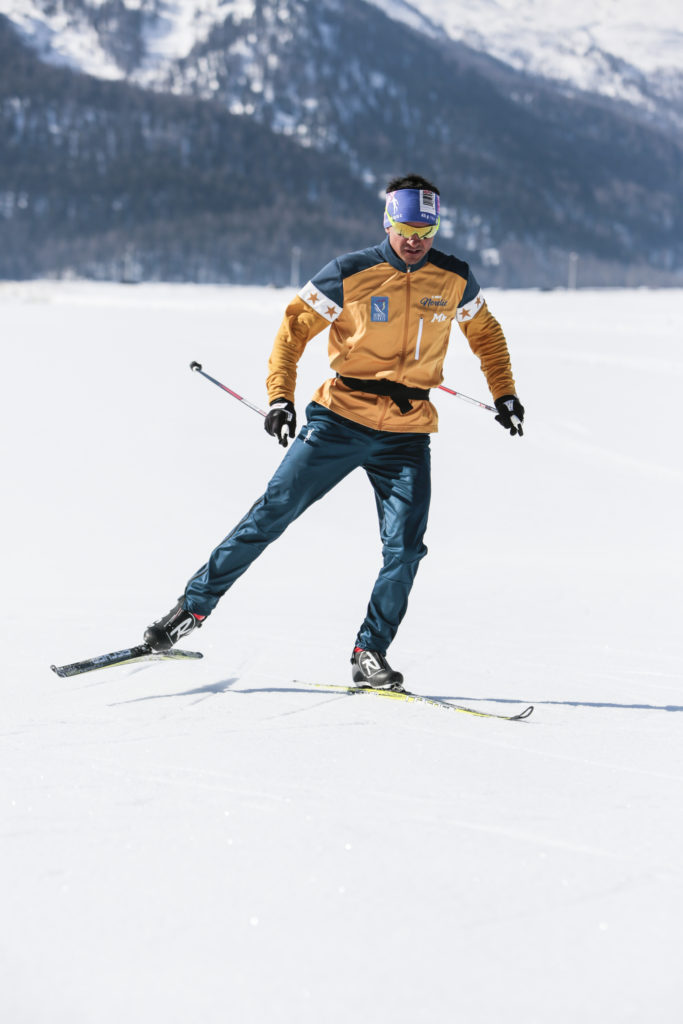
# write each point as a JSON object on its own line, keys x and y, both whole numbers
{"x": 470, "y": 309}
{"x": 318, "y": 301}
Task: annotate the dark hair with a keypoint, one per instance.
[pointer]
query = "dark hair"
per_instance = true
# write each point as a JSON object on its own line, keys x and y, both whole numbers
{"x": 411, "y": 181}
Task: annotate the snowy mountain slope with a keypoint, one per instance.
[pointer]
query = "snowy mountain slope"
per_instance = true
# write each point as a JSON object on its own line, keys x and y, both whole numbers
{"x": 564, "y": 174}
{"x": 212, "y": 842}
{"x": 630, "y": 51}
{"x": 83, "y": 33}
{"x": 536, "y": 170}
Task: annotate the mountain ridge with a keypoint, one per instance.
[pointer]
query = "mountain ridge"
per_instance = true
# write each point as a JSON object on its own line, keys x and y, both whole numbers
{"x": 528, "y": 174}
{"x": 616, "y": 49}
{"x": 623, "y": 50}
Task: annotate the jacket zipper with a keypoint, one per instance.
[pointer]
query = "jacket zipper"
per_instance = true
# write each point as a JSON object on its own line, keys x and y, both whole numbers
{"x": 419, "y": 338}
{"x": 406, "y": 329}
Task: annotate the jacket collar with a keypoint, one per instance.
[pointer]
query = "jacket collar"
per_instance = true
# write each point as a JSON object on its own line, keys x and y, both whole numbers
{"x": 396, "y": 261}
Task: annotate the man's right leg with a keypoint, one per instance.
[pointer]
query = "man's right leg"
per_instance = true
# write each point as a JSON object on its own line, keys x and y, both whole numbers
{"x": 324, "y": 452}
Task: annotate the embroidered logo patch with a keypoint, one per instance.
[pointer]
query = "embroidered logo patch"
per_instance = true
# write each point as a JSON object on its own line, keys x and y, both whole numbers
{"x": 379, "y": 308}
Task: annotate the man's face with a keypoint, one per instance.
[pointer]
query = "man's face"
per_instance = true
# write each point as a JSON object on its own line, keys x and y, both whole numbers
{"x": 411, "y": 250}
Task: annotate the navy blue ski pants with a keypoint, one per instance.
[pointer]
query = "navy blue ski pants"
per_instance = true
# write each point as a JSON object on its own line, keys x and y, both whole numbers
{"x": 326, "y": 450}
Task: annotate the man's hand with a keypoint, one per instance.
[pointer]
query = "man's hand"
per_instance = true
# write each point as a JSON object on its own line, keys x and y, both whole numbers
{"x": 281, "y": 420}
{"x": 510, "y": 414}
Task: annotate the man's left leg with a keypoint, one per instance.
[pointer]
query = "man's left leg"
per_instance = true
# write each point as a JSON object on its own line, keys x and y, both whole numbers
{"x": 400, "y": 474}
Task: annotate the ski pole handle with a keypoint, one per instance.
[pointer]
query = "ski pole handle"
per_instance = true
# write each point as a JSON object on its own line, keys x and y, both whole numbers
{"x": 466, "y": 398}
{"x": 197, "y": 368}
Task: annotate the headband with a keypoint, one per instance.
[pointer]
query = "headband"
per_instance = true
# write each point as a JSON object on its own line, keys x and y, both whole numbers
{"x": 412, "y": 205}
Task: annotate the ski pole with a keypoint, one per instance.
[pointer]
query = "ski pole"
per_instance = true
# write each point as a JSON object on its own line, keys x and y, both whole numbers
{"x": 482, "y": 405}
{"x": 466, "y": 398}
{"x": 197, "y": 368}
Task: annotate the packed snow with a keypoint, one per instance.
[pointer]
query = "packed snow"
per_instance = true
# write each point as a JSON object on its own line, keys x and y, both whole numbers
{"x": 213, "y": 841}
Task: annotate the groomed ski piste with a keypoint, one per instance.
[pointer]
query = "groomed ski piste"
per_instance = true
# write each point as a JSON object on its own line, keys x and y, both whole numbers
{"x": 208, "y": 841}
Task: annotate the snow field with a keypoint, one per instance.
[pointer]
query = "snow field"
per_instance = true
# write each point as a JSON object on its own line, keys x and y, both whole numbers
{"x": 210, "y": 840}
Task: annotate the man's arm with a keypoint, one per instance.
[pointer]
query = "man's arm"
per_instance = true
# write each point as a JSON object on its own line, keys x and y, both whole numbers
{"x": 487, "y": 341}
{"x": 300, "y": 324}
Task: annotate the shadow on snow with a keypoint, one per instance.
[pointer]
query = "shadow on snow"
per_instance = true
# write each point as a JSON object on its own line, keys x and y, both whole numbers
{"x": 223, "y": 685}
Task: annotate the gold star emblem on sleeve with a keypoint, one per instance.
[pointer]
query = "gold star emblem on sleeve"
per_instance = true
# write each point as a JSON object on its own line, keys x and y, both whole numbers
{"x": 331, "y": 311}
{"x": 313, "y": 297}
{"x": 465, "y": 313}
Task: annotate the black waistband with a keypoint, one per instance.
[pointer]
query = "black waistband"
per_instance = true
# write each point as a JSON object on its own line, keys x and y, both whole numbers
{"x": 398, "y": 393}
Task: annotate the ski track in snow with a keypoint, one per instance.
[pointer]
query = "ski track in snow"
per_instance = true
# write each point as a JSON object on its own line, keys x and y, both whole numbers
{"x": 210, "y": 841}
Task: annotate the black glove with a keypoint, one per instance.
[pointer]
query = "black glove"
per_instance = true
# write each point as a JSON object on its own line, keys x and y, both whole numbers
{"x": 510, "y": 414}
{"x": 281, "y": 420}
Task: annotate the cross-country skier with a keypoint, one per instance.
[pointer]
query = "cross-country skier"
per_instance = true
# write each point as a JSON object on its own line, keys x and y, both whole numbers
{"x": 389, "y": 310}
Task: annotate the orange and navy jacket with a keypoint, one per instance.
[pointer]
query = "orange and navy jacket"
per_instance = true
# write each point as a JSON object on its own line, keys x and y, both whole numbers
{"x": 388, "y": 321}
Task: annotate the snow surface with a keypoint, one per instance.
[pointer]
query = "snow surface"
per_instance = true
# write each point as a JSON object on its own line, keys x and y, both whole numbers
{"x": 212, "y": 842}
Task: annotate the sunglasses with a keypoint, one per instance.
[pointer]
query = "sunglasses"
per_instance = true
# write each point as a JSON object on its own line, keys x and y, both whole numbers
{"x": 408, "y": 230}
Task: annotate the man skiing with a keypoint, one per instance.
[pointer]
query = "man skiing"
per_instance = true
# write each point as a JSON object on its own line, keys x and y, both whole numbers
{"x": 389, "y": 310}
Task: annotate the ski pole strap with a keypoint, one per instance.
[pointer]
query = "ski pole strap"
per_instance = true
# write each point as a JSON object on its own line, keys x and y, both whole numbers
{"x": 398, "y": 393}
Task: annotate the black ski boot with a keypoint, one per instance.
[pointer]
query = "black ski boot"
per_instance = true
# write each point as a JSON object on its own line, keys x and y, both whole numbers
{"x": 369, "y": 668}
{"x": 167, "y": 631}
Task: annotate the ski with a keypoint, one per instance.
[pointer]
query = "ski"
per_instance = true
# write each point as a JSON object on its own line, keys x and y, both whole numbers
{"x": 409, "y": 697}
{"x": 128, "y": 656}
